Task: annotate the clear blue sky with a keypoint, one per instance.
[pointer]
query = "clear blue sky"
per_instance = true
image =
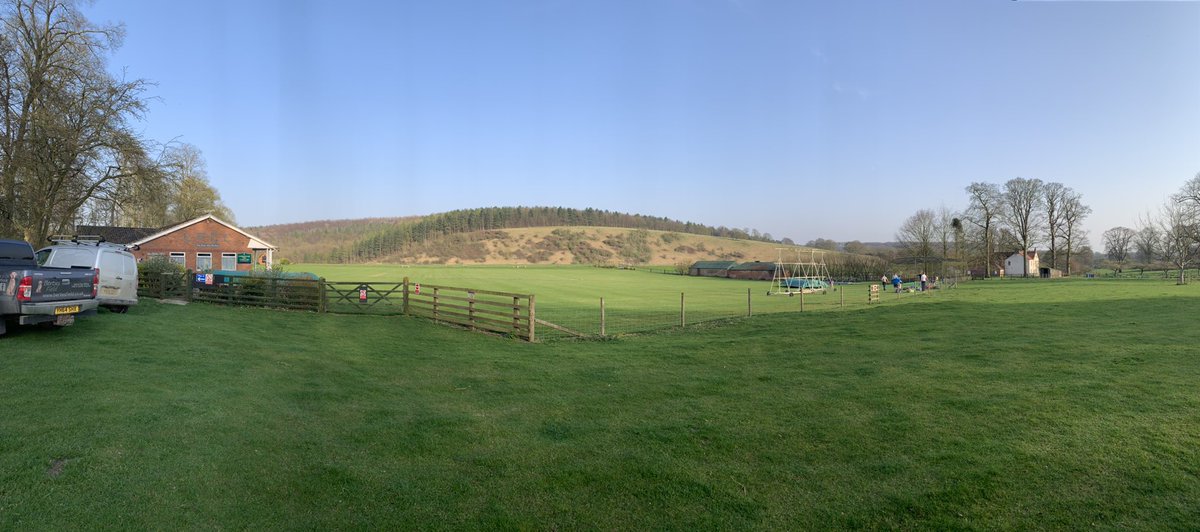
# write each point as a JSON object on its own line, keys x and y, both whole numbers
{"x": 799, "y": 119}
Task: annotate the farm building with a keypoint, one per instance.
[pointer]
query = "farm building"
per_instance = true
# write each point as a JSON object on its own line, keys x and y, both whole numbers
{"x": 1020, "y": 263}
{"x": 204, "y": 243}
{"x": 757, "y": 270}
{"x": 1046, "y": 272}
{"x": 711, "y": 268}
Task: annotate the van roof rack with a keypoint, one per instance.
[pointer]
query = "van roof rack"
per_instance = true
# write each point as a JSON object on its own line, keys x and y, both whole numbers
{"x": 90, "y": 240}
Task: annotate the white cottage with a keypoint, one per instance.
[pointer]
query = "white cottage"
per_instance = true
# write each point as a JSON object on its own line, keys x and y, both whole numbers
{"x": 1022, "y": 264}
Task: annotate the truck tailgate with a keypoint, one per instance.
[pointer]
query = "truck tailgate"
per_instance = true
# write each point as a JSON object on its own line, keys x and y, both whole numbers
{"x": 54, "y": 284}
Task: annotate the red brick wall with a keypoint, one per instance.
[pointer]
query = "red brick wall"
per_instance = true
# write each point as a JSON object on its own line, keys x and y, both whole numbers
{"x": 202, "y": 237}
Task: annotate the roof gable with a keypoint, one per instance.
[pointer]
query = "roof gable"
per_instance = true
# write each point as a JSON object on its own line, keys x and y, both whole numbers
{"x": 255, "y": 242}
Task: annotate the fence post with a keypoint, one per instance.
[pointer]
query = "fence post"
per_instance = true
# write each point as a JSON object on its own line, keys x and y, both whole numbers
{"x": 471, "y": 309}
{"x": 532, "y": 318}
{"x": 842, "y": 298}
{"x": 602, "y": 331}
{"x": 323, "y": 298}
{"x": 801, "y": 300}
{"x": 435, "y": 303}
{"x": 516, "y": 314}
{"x": 404, "y": 306}
{"x": 682, "y": 312}
{"x": 749, "y": 308}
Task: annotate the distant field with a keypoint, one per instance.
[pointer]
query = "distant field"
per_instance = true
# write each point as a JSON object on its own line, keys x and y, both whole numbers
{"x": 1004, "y": 405}
{"x": 635, "y": 300}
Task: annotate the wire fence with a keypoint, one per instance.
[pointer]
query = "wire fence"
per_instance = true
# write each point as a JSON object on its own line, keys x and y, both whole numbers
{"x": 1142, "y": 273}
{"x": 556, "y": 318}
{"x": 608, "y": 317}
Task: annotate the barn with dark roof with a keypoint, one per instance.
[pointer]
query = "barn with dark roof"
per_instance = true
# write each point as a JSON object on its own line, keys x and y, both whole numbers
{"x": 757, "y": 271}
{"x": 711, "y": 268}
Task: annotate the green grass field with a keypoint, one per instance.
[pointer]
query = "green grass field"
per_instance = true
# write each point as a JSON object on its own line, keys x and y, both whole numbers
{"x": 635, "y": 300}
{"x": 998, "y": 405}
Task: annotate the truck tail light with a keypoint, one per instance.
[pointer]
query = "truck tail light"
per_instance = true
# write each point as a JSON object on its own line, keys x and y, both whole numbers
{"x": 95, "y": 282}
{"x": 25, "y": 289}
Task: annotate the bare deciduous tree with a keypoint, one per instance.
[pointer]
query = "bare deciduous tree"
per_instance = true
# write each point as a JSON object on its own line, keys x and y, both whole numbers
{"x": 1117, "y": 243}
{"x": 1074, "y": 212}
{"x": 917, "y": 236}
{"x": 984, "y": 212}
{"x": 1054, "y": 195}
{"x": 1023, "y": 213}
{"x": 65, "y": 132}
{"x": 1180, "y": 244}
{"x": 1147, "y": 240}
{"x": 193, "y": 195}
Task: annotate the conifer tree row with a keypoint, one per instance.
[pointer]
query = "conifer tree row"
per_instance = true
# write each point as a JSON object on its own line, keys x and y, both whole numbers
{"x": 395, "y": 238}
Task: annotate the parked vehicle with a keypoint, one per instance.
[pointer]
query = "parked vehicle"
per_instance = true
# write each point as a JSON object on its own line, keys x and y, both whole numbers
{"x": 117, "y": 266}
{"x": 30, "y": 294}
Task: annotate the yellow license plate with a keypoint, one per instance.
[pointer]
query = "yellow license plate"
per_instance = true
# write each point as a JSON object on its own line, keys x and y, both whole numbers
{"x": 66, "y": 310}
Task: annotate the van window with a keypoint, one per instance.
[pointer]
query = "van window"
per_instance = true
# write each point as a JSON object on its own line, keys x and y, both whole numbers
{"x": 112, "y": 263}
{"x": 72, "y": 258}
{"x": 130, "y": 266}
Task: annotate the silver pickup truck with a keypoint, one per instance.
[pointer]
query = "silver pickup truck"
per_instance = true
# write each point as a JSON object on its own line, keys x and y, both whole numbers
{"x": 29, "y": 294}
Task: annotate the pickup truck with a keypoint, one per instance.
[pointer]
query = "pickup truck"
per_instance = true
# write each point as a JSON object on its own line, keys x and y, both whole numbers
{"x": 29, "y": 294}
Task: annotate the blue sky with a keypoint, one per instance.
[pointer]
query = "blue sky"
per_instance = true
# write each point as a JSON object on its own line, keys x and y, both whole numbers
{"x": 802, "y": 120}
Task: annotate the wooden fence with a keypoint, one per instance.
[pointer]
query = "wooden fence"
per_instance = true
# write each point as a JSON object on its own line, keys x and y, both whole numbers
{"x": 475, "y": 309}
{"x": 165, "y": 285}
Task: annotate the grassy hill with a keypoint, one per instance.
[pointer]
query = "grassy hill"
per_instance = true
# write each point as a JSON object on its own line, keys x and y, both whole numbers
{"x": 315, "y": 241}
{"x": 581, "y": 245}
{"x": 516, "y": 235}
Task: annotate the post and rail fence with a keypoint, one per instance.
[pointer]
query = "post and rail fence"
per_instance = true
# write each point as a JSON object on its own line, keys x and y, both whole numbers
{"x": 476, "y": 309}
{"x": 505, "y": 313}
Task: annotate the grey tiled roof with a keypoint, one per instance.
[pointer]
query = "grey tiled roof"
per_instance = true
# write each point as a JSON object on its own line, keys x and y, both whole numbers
{"x": 116, "y": 235}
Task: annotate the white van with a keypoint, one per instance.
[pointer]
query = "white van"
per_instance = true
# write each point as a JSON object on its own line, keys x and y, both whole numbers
{"x": 118, "y": 268}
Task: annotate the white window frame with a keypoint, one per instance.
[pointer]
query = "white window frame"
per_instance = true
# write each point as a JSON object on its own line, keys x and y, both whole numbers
{"x": 232, "y": 256}
{"x": 204, "y": 255}
{"x": 178, "y": 255}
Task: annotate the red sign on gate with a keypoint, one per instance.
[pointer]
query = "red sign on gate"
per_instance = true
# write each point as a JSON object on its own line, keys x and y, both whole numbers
{"x": 362, "y": 295}
{"x": 417, "y": 289}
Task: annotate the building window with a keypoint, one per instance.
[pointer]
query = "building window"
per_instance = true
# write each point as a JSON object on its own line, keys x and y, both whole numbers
{"x": 203, "y": 262}
{"x": 229, "y": 261}
{"x": 179, "y": 257}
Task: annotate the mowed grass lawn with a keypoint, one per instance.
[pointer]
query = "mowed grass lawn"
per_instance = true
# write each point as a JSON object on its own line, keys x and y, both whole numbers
{"x": 1008, "y": 405}
{"x": 635, "y": 300}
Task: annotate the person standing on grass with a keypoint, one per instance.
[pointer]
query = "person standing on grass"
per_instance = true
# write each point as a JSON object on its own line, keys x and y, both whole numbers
{"x": 883, "y": 281}
{"x": 924, "y": 280}
{"x": 896, "y": 282}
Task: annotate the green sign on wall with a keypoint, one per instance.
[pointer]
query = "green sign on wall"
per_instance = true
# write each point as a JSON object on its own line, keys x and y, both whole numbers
{"x": 245, "y": 258}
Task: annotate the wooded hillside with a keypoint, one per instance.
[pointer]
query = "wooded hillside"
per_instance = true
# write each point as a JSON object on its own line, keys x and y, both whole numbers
{"x": 404, "y": 239}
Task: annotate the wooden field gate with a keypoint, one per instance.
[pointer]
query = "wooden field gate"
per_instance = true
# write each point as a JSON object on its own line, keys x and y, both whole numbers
{"x": 485, "y": 310}
{"x": 476, "y": 309}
